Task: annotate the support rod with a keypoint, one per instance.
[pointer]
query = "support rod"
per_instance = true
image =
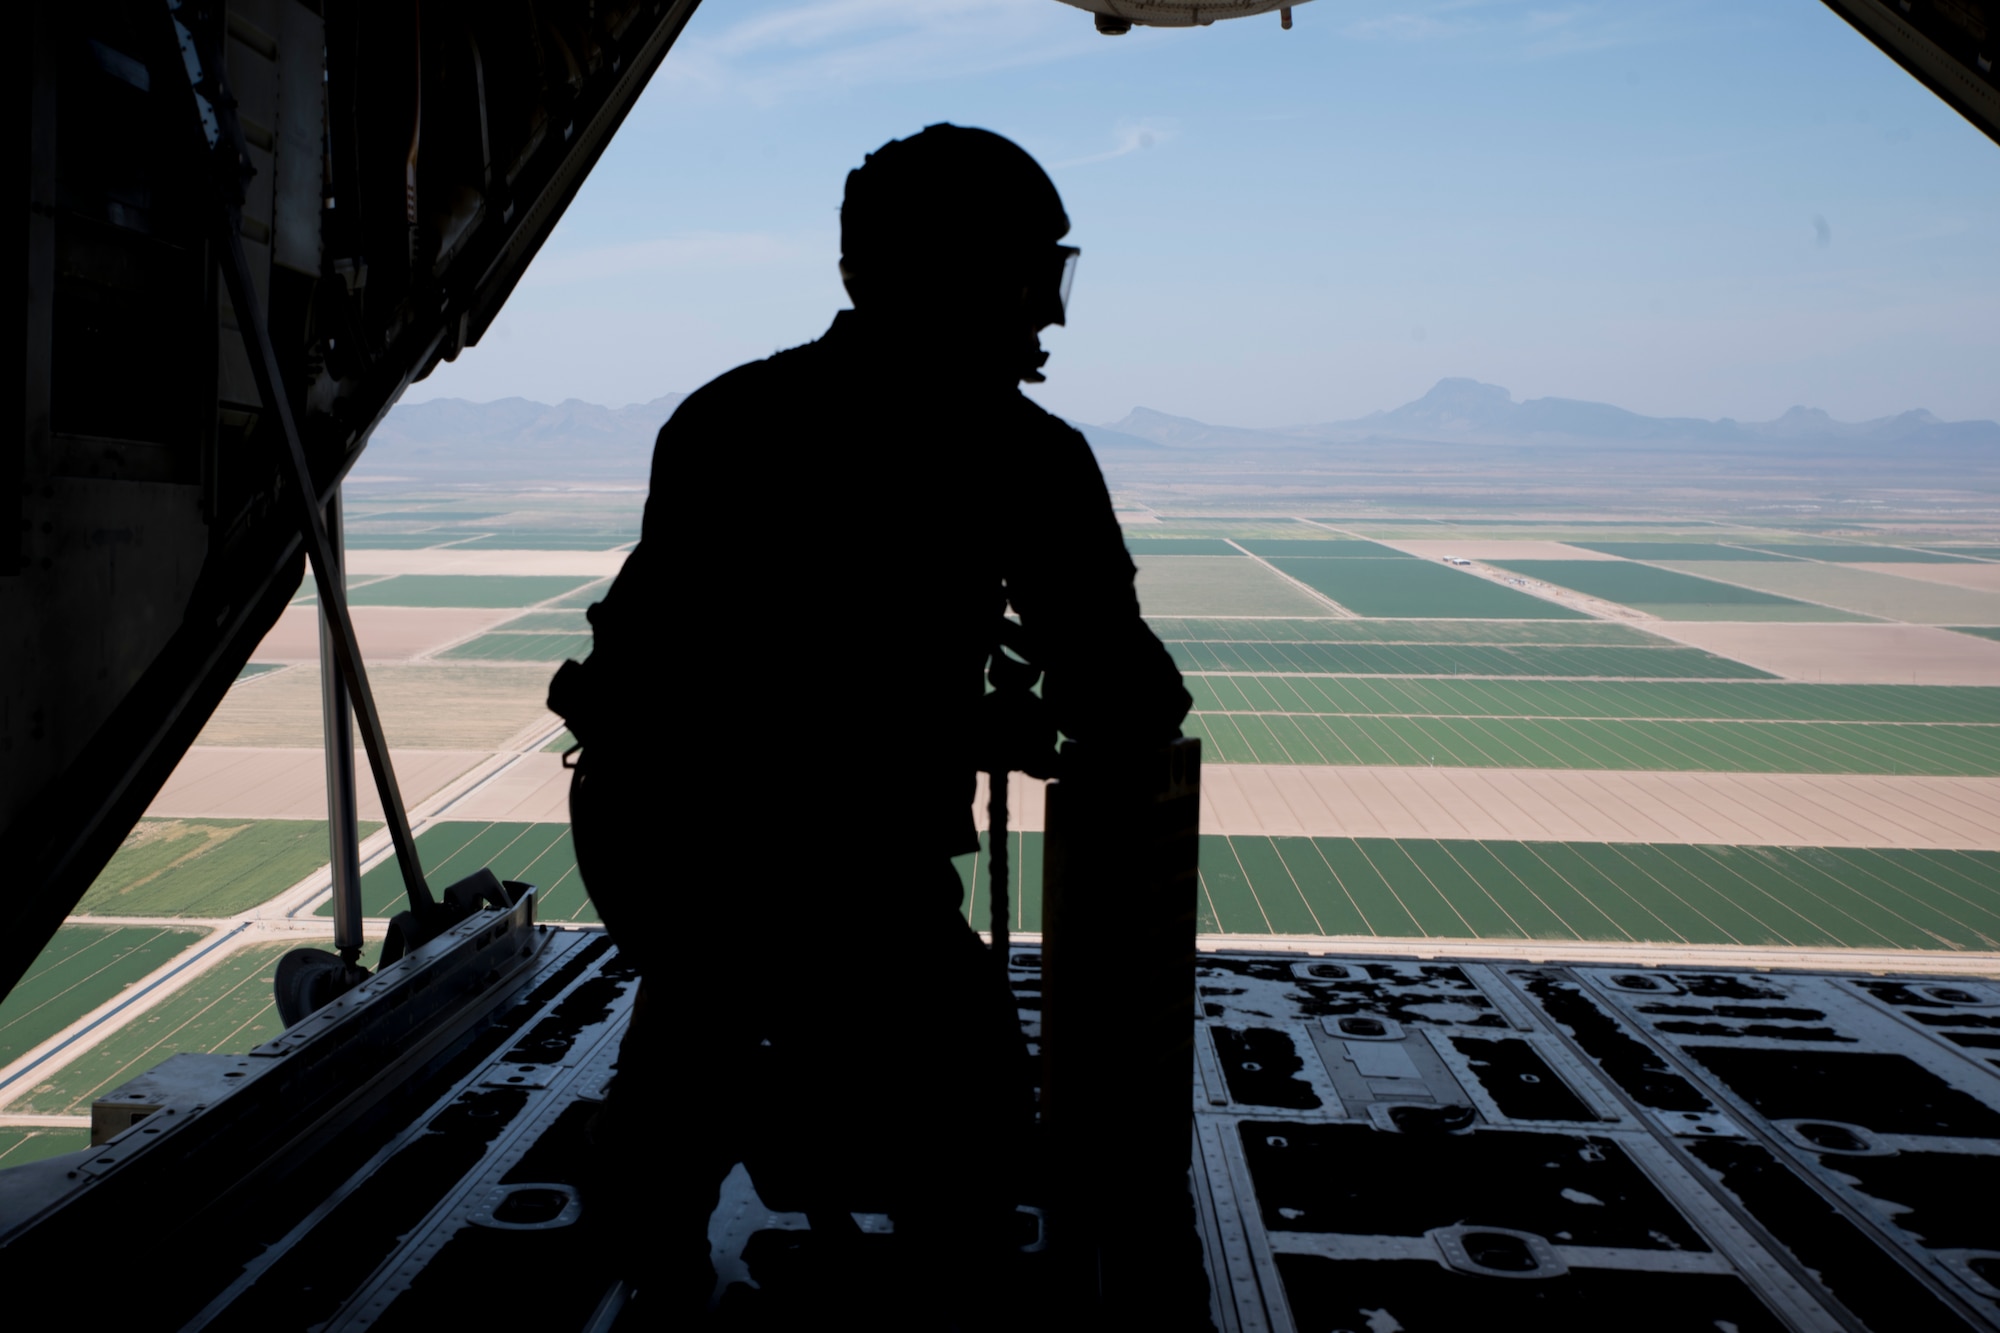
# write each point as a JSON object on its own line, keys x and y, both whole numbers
{"x": 342, "y": 833}
{"x": 214, "y": 116}
{"x": 1000, "y": 874}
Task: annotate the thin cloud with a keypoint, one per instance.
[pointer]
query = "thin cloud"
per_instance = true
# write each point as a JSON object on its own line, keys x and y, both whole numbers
{"x": 1134, "y": 137}
{"x": 820, "y": 45}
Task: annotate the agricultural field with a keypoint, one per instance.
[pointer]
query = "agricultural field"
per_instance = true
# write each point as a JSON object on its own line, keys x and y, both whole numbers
{"x": 1321, "y": 548}
{"x": 1140, "y": 545}
{"x": 1864, "y": 592}
{"x": 538, "y": 854}
{"x": 510, "y": 645}
{"x": 1593, "y": 743}
{"x": 1496, "y": 765}
{"x": 1666, "y": 593}
{"x": 1679, "y": 551}
{"x": 82, "y": 967}
{"x": 1554, "y": 633}
{"x": 1831, "y": 897}
{"x": 206, "y": 867}
{"x": 1216, "y": 585}
{"x": 467, "y": 590}
{"x": 583, "y": 598}
{"x": 426, "y": 706}
{"x": 21, "y": 1144}
{"x": 1775, "y": 701}
{"x": 1410, "y": 587}
{"x": 1024, "y": 879}
{"x": 1665, "y": 662}
{"x": 228, "y": 1008}
{"x": 1849, "y": 553}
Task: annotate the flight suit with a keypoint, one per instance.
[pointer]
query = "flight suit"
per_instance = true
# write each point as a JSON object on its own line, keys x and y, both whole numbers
{"x": 778, "y": 723}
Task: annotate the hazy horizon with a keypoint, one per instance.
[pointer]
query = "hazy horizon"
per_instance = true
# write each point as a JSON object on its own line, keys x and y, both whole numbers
{"x": 1684, "y": 207}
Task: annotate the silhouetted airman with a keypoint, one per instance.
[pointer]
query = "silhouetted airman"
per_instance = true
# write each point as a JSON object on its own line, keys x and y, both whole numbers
{"x": 779, "y": 721}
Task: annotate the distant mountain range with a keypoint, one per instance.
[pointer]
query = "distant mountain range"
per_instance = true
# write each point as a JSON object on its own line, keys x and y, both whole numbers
{"x": 515, "y": 440}
{"x": 1468, "y": 412}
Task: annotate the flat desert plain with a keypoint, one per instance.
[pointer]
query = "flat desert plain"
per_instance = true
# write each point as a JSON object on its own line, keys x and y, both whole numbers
{"x": 387, "y": 633}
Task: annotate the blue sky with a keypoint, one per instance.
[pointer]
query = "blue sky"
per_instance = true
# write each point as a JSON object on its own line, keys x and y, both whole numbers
{"x": 1686, "y": 207}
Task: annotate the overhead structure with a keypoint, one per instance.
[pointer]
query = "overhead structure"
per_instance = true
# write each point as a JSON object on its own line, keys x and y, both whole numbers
{"x": 403, "y": 164}
{"x": 1117, "y": 17}
{"x": 1949, "y": 46}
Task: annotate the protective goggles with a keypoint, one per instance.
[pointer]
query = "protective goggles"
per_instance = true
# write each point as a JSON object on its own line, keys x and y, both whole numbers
{"x": 1065, "y": 255}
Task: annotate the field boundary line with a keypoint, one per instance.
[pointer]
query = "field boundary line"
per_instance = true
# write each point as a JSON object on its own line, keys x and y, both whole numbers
{"x": 1307, "y": 589}
{"x": 169, "y": 977}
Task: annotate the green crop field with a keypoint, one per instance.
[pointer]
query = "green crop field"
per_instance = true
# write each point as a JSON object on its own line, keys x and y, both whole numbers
{"x": 1325, "y": 548}
{"x": 584, "y": 597}
{"x": 1598, "y": 633}
{"x": 1866, "y": 592}
{"x": 539, "y": 854}
{"x": 1978, "y": 631}
{"x": 1139, "y": 545}
{"x": 548, "y": 622}
{"x": 81, "y": 968}
{"x": 1773, "y": 702}
{"x": 395, "y": 541}
{"x": 228, "y": 1008}
{"x": 1665, "y": 593}
{"x": 474, "y": 590}
{"x": 207, "y": 867}
{"x": 1857, "y": 554}
{"x": 1825, "y": 897}
{"x": 514, "y": 646}
{"x": 1637, "y": 745}
{"x": 1466, "y": 660}
{"x": 258, "y": 668}
{"x": 22, "y": 1144}
{"x": 444, "y": 514}
{"x": 1678, "y": 551}
{"x": 1210, "y": 585}
{"x": 550, "y": 541}
{"x": 560, "y": 743}
{"x": 1024, "y": 879}
{"x": 1974, "y": 552}
{"x": 1417, "y": 588}
{"x": 1235, "y": 529}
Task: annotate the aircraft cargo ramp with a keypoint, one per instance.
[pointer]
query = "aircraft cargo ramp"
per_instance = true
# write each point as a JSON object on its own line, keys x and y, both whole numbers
{"x": 1374, "y": 1139}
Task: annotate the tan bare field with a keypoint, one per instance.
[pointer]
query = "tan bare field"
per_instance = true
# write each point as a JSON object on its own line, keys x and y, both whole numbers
{"x": 1979, "y": 578}
{"x": 261, "y": 783}
{"x": 1853, "y": 654}
{"x": 387, "y": 633}
{"x": 1488, "y": 548}
{"x": 1221, "y": 585}
{"x": 1851, "y": 588}
{"x": 1753, "y": 809}
{"x": 453, "y": 560}
{"x": 532, "y": 789}
{"x": 425, "y": 706}
{"x": 1565, "y": 805}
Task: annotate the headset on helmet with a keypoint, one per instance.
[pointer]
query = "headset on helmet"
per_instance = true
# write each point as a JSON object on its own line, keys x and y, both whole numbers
{"x": 954, "y": 196}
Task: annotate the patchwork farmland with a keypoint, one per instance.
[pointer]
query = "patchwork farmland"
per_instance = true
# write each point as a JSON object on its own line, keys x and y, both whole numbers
{"x": 1632, "y": 738}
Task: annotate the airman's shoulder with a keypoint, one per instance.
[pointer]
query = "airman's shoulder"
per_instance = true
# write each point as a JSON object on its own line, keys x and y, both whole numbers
{"x": 1038, "y": 427}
